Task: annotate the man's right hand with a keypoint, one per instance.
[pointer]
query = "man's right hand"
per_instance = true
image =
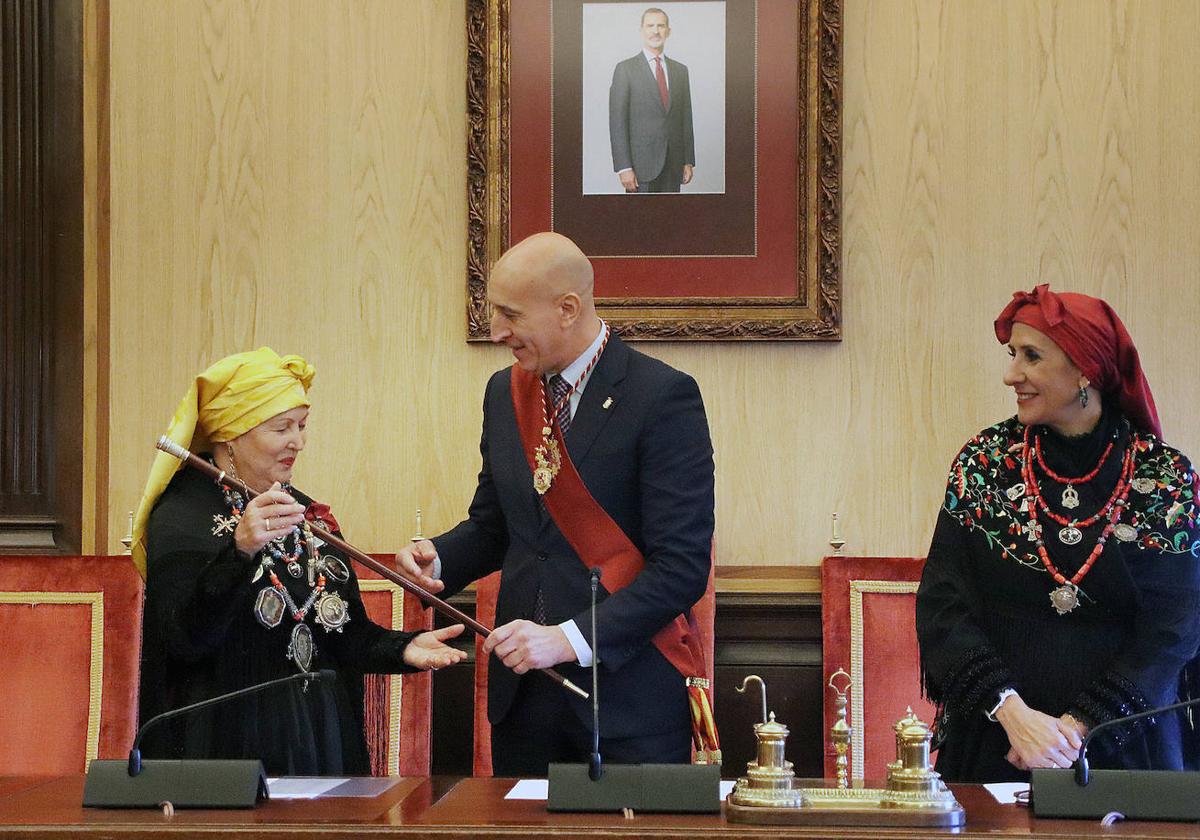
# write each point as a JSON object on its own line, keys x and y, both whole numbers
{"x": 415, "y": 562}
{"x": 628, "y": 180}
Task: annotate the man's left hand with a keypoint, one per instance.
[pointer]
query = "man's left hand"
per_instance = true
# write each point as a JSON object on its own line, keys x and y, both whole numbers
{"x": 687, "y": 173}
{"x": 522, "y": 646}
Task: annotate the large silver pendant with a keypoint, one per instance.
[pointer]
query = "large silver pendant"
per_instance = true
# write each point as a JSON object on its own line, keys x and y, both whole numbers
{"x": 1070, "y": 535}
{"x": 1070, "y": 498}
{"x": 1125, "y": 532}
{"x": 1143, "y": 485}
{"x": 269, "y": 607}
{"x": 332, "y": 612}
{"x": 300, "y": 649}
{"x": 1065, "y": 598}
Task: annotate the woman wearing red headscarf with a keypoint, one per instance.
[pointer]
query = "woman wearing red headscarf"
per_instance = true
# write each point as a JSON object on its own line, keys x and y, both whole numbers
{"x": 1062, "y": 588}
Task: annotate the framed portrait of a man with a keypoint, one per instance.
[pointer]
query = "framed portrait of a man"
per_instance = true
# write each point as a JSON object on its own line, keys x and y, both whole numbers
{"x": 691, "y": 149}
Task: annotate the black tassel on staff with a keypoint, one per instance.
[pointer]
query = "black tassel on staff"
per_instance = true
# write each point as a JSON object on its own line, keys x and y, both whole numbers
{"x": 427, "y": 598}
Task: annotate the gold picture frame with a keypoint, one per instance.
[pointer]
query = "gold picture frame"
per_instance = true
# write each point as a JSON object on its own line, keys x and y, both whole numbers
{"x": 805, "y": 301}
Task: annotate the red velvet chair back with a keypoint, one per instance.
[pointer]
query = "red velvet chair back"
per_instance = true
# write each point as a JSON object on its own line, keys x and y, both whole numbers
{"x": 486, "y": 591}
{"x": 397, "y": 707}
{"x": 69, "y": 692}
{"x": 869, "y": 630}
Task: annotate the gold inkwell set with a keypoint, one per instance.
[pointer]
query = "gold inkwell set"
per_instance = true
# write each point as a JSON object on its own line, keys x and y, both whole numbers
{"x": 913, "y": 795}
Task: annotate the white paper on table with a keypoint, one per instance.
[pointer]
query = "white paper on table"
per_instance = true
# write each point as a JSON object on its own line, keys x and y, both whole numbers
{"x": 539, "y": 789}
{"x": 301, "y": 787}
{"x": 1005, "y": 792}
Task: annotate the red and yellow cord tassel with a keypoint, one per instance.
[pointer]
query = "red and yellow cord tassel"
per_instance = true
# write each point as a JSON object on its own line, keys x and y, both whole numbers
{"x": 704, "y": 726}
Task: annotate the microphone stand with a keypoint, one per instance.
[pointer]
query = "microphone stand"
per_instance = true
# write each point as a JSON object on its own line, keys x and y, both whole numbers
{"x": 595, "y": 767}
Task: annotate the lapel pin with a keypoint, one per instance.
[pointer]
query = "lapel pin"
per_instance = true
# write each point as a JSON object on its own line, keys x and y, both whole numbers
{"x": 607, "y": 402}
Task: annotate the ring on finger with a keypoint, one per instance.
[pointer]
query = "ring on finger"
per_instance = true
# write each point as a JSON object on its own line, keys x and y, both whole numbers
{"x": 269, "y": 528}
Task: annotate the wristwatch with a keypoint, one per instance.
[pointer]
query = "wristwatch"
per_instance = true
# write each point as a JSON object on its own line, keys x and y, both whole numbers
{"x": 1004, "y": 695}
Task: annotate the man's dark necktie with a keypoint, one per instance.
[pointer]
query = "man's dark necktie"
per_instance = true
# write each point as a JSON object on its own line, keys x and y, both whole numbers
{"x": 558, "y": 397}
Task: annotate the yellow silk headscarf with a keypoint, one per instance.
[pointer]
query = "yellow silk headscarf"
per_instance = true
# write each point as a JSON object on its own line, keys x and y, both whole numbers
{"x": 227, "y": 400}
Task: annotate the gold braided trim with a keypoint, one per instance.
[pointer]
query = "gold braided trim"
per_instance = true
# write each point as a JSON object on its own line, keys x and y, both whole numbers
{"x": 857, "y": 589}
{"x": 394, "y": 680}
{"x": 95, "y": 654}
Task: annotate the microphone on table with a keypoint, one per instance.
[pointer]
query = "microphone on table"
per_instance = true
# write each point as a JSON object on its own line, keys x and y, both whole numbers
{"x": 135, "y": 753}
{"x": 1135, "y": 794}
{"x": 1082, "y": 772}
{"x": 654, "y": 788}
{"x": 187, "y": 783}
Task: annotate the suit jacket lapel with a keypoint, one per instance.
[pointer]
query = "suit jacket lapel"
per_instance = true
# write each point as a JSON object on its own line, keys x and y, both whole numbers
{"x": 603, "y": 387}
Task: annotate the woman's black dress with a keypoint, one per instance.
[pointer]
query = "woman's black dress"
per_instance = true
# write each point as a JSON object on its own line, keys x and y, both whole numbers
{"x": 201, "y": 638}
{"x": 985, "y": 620}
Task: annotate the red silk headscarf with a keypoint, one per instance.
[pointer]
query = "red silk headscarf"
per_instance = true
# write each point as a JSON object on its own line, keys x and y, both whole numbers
{"x": 1092, "y": 335}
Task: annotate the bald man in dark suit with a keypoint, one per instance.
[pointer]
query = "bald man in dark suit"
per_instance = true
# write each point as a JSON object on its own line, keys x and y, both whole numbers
{"x": 650, "y": 115}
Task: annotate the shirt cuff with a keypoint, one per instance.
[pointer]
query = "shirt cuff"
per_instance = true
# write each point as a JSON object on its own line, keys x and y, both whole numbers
{"x": 435, "y": 569}
{"x": 626, "y": 169}
{"x": 583, "y": 652}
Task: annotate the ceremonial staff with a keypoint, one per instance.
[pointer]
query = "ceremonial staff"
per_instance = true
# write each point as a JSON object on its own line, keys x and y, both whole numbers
{"x": 428, "y": 598}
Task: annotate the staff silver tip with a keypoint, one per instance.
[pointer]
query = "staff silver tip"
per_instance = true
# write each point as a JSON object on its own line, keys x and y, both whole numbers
{"x": 570, "y": 686}
{"x": 172, "y": 448}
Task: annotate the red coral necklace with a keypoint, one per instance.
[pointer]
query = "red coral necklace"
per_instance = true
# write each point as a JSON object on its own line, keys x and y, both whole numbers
{"x": 1066, "y": 596}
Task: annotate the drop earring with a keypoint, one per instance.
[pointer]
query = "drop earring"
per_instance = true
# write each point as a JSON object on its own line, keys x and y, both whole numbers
{"x": 232, "y": 461}
{"x": 1083, "y": 396}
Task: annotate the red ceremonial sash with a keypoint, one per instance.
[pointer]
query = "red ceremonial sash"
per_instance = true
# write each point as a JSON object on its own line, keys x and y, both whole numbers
{"x": 596, "y": 538}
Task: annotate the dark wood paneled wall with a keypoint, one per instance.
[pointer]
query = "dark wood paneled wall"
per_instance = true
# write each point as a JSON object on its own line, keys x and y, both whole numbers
{"x": 774, "y": 635}
{"x": 41, "y": 274}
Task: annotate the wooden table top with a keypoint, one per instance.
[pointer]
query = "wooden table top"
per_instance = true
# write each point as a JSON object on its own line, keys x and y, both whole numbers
{"x": 445, "y": 807}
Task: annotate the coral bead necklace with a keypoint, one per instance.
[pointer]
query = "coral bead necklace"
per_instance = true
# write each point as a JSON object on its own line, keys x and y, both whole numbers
{"x": 1066, "y": 596}
{"x": 1070, "y": 498}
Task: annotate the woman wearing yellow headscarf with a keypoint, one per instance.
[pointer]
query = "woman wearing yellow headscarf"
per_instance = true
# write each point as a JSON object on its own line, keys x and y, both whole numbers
{"x": 239, "y": 592}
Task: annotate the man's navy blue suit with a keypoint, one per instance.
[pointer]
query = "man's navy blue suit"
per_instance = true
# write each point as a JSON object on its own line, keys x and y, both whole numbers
{"x": 640, "y": 442}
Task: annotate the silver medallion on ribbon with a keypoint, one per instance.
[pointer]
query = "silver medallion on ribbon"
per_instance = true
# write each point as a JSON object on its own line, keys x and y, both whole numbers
{"x": 1065, "y": 598}
{"x": 269, "y": 607}
{"x": 335, "y": 568}
{"x": 300, "y": 649}
{"x": 332, "y": 612}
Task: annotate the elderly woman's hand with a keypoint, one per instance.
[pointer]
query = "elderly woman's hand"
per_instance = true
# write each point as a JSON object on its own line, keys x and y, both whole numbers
{"x": 269, "y": 515}
{"x": 430, "y": 651}
{"x": 1037, "y": 739}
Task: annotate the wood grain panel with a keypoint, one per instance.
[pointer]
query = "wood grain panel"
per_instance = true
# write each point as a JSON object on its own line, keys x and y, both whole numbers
{"x": 297, "y": 178}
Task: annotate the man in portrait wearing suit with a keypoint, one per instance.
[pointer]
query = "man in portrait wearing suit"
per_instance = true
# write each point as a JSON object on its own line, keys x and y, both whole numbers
{"x": 650, "y": 115}
{"x": 594, "y": 456}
